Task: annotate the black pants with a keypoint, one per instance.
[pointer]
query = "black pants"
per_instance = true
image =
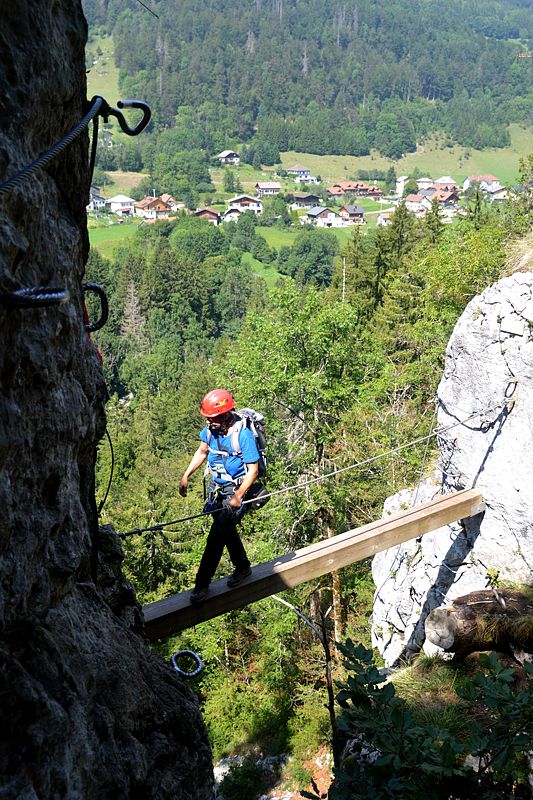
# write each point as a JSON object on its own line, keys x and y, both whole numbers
{"x": 223, "y": 533}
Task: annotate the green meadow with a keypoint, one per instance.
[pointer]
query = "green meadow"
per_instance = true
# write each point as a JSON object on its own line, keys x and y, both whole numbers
{"x": 102, "y": 75}
{"x": 431, "y": 158}
{"x": 107, "y": 238}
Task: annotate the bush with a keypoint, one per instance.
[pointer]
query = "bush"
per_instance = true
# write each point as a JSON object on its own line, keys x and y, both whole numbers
{"x": 395, "y": 756}
{"x": 243, "y": 782}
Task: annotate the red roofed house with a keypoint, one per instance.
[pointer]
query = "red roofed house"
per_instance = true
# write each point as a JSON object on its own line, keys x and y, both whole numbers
{"x": 487, "y": 183}
{"x": 152, "y": 208}
{"x": 210, "y": 214}
{"x": 446, "y": 183}
{"x": 175, "y": 205}
{"x": 357, "y": 188}
{"x": 417, "y": 204}
{"x": 335, "y": 191}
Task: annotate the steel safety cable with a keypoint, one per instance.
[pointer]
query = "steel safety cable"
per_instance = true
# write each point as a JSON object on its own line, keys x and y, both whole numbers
{"x": 53, "y": 151}
{"x": 303, "y": 484}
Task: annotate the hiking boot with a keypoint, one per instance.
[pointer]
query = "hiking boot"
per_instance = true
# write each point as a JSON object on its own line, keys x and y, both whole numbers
{"x": 237, "y": 576}
{"x": 197, "y": 595}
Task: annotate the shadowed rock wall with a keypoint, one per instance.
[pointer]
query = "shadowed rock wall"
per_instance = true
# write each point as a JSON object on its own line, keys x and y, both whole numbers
{"x": 87, "y": 711}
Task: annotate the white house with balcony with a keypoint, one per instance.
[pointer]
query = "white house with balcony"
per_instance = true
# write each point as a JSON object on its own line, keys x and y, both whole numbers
{"x": 486, "y": 183}
{"x": 267, "y": 188}
{"x": 244, "y": 202}
{"x": 96, "y": 200}
{"x": 322, "y": 217}
{"x": 122, "y": 205}
{"x": 229, "y": 157}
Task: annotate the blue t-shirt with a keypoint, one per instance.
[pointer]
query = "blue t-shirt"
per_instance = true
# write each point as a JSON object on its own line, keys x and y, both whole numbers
{"x": 219, "y": 465}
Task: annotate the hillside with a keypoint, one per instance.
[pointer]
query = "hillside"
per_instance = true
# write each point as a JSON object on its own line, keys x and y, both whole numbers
{"x": 325, "y": 78}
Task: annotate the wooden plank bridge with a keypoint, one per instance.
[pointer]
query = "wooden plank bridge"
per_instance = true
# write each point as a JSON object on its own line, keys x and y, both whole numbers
{"x": 176, "y": 613}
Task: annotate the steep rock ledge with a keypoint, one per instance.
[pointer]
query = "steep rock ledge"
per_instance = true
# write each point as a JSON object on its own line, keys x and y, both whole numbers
{"x": 87, "y": 710}
{"x": 489, "y": 368}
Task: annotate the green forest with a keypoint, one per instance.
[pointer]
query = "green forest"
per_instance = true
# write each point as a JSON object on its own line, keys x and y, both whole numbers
{"x": 339, "y": 373}
{"x": 304, "y": 75}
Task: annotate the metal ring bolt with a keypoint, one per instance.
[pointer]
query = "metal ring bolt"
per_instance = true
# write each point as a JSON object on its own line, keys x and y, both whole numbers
{"x": 192, "y": 655}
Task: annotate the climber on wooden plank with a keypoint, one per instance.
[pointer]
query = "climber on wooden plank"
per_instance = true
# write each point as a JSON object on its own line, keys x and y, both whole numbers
{"x": 233, "y": 460}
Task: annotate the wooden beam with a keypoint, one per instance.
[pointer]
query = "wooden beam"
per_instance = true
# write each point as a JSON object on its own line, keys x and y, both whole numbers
{"x": 176, "y": 613}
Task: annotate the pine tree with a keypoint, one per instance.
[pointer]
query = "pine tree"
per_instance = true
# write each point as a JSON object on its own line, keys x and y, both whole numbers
{"x": 433, "y": 224}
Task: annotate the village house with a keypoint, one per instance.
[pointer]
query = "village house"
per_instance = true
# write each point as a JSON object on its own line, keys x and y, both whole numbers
{"x": 419, "y": 204}
{"x": 267, "y": 188}
{"x": 322, "y": 217}
{"x": 244, "y": 202}
{"x": 334, "y": 191}
{"x": 209, "y": 214}
{"x": 231, "y": 215}
{"x": 305, "y": 200}
{"x": 96, "y": 200}
{"x": 424, "y": 183}
{"x": 352, "y": 215}
{"x": 175, "y": 205}
{"x": 385, "y": 218}
{"x": 301, "y": 172}
{"x": 311, "y": 180}
{"x": 355, "y": 188}
{"x": 152, "y": 208}
{"x": 486, "y": 183}
{"x": 497, "y": 194}
{"x": 446, "y": 199}
{"x": 446, "y": 183}
{"x": 229, "y": 157}
{"x": 121, "y": 205}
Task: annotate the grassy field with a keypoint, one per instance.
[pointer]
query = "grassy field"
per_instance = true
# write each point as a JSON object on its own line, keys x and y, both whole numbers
{"x": 278, "y": 237}
{"x": 102, "y": 77}
{"x": 430, "y": 158}
{"x": 107, "y": 238}
{"x": 121, "y": 182}
{"x": 247, "y": 175}
{"x": 269, "y": 274}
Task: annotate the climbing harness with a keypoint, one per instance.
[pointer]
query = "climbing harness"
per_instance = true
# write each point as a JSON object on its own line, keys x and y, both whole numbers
{"x": 436, "y": 432}
{"x": 34, "y": 297}
{"x": 189, "y": 654}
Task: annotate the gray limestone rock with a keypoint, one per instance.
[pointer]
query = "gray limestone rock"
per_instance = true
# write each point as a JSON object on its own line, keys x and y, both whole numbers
{"x": 486, "y": 394}
{"x": 87, "y": 710}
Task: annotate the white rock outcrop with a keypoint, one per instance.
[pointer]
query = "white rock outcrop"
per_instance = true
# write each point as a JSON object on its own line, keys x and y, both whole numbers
{"x": 486, "y": 393}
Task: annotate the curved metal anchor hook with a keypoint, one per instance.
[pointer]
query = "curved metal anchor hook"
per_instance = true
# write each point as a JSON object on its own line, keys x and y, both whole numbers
{"x": 144, "y": 107}
{"x": 106, "y": 111}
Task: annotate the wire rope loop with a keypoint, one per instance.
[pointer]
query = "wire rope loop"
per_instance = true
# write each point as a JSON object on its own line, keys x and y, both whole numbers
{"x": 35, "y": 297}
{"x": 104, "y": 306}
{"x": 190, "y": 654}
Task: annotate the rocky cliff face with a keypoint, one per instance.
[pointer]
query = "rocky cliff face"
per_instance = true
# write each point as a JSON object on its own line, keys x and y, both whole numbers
{"x": 87, "y": 710}
{"x": 488, "y": 372}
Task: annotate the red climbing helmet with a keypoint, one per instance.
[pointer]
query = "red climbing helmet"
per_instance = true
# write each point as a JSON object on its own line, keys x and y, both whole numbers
{"x": 216, "y": 402}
